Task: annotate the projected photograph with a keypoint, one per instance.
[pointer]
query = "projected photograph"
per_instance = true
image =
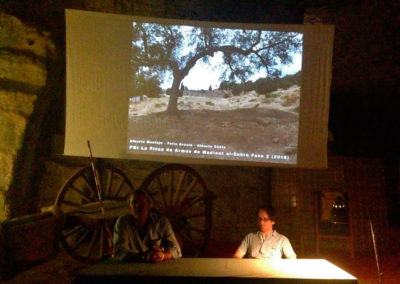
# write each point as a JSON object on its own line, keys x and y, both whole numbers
{"x": 215, "y": 93}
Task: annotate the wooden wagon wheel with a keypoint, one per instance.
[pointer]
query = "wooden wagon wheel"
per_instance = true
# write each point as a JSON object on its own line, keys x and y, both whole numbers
{"x": 180, "y": 193}
{"x": 84, "y": 235}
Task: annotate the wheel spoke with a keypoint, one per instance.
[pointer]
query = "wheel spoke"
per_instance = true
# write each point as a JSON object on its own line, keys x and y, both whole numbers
{"x": 73, "y": 231}
{"x": 90, "y": 186}
{"x": 126, "y": 196}
{"x": 81, "y": 239}
{"x": 89, "y": 243}
{"x": 109, "y": 235}
{"x": 189, "y": 189}
{"x": 170, "y": 186}
{"x": 109, "y": 184}
{"x": 188, "y": 238}
{"x": 179, "y": 187}
{"x": 71, "y": 203}
{"x": 162, "y": 191}
{"x": 180, "y": 193}
{"x": 154, "y": 201}
{"x": 89, "y": 199}
{"x": 192, "y": 201}
{"x": 92, "y": 243}
{"x": 121, "y": 183}
{"x": 101, "y": 249}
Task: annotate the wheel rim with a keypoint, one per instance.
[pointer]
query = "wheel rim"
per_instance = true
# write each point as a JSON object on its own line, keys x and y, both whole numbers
{"x": 180, "y": 194}
{"x": 87, "y": 231}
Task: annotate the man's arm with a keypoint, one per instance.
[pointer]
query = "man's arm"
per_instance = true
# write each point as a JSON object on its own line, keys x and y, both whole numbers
{"x": 241, "y": 250}
{"x": 287, "y": 249}
{"x": 172, "y": 247}
{"x": 238, "y": 254}
{"x": 169, "y": 247}
{"x": 121, "y": 243}
{"x": 158, "y": 254}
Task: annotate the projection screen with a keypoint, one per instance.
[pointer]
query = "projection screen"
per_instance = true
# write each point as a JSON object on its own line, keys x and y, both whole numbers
{"x": 197, "y": 92}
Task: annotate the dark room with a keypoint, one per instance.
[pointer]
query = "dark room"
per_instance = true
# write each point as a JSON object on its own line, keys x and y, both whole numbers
{"x": 199, "y": 141}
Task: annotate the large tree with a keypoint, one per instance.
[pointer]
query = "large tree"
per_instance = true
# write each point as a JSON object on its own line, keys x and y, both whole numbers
{"x": 158, "y": 50}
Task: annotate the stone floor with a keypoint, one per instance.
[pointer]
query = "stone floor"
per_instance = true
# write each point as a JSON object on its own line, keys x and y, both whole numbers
{"x": 62, "y": 269}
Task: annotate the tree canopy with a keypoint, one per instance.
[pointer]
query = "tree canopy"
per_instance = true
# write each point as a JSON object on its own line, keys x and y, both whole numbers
{"x": 158, "y": 50}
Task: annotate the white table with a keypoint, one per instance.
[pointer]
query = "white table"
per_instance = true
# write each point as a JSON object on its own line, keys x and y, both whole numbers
{"x": 217, "y": 270}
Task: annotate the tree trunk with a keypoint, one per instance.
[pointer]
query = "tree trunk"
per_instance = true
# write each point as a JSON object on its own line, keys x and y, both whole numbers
{"x": 173, "y": 98}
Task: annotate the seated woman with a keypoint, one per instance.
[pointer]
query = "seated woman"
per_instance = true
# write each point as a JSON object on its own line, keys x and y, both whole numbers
{"x": 265, "y": 243}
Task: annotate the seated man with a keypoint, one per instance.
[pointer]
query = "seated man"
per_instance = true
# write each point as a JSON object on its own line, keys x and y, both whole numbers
{"x": 144, "y": 234}
{"x": 266, "y": 243}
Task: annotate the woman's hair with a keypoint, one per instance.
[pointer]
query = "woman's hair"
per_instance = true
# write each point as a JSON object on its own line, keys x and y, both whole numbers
{"x": 270, "y": 211}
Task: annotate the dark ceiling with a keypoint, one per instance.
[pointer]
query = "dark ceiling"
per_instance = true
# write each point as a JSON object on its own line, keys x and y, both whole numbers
{"x": 364, "y": 119}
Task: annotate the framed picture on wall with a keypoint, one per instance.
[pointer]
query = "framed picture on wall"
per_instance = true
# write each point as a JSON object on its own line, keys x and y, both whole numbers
{"x": 333, "y": 212}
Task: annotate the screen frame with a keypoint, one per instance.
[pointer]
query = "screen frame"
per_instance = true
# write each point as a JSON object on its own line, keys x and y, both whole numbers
{"x": 87, "y": 119}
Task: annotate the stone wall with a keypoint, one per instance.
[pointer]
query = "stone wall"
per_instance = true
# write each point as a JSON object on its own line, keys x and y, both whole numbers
{"x": 293, "y": 193}
{"x": 237, "y": 190}
{"x": 23, "y": 53}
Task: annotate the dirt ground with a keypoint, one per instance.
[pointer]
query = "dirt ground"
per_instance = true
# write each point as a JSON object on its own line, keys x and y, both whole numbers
{"x": 218, "y": 125}
{"x": 257, "y": 133}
